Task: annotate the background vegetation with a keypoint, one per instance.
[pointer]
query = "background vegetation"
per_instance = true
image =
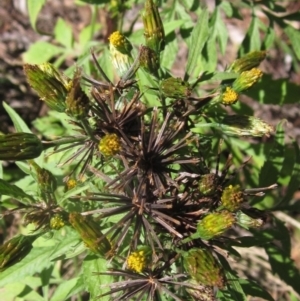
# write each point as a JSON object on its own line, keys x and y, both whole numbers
{"x": 198, "y": 42}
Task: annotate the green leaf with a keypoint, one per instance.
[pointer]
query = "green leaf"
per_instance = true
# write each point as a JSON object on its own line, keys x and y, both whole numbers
{"x": 18, "y": 122}
{"x": 279, "y": 91}
{"x": 294, "y": 36}
{"x": 284, "y": 266}
{"x": 34, "y": 7}
{"x": 63, "y": 33}
{"x": 252, "y": 38}
{"x": 14, "y": 192}
{"x": 272, "y": 166}
{"x": 254, "y": 289}
{"x": 199, "y": 37}
{"x": 294, "y": 181}
{"x": 34, "y": 262}
{"x": 67, "y": 289}
{"x": 93, "y": 282}
{"x": 41, "y": 52}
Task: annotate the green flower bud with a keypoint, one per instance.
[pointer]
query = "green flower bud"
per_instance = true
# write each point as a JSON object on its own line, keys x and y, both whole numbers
{"x": 15, "y": 249}
{"x": 137, "y": 261}
{"x": 20, "y": 146}
{"x": 149, "y": 60}
{"x": 120, "y": 52}
{"x": 90, "y": 232}
{"x": 51, "y": 85}
{"x": 242, "y": 125}
{"x": 232, "y": 197}
{"x": 175, "y": 88}
{"x": 153, "y": 28}
{"x": 247, "y": 221}
{"x": 77, "y": 102}
{"x": 215, "y": 224}
{"x": 208, "y": 184}
{"x": 248, "y": 61}
{"x": 203, "y": 267}
{"x": 46, "y": 180}
{"x": 246, "y": 80}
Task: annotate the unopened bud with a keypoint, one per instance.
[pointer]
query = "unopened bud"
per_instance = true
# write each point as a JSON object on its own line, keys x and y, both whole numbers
{"x": 149, "y": 60}
{"x": 15, "y": 249}
{"x": 248, "y": 61}
{"x": 90, "y": 232}
{"x": 51, "y": 85}
{"x": 203, "y": 267}
{"x": 77, "y": 102}
{"x": 153, "y": 27}
{"x": 20, "y": 146}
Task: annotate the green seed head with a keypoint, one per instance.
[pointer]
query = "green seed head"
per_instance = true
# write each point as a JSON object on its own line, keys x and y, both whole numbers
{"x": 246, "y": 80}
{"x": 247, "y": 221}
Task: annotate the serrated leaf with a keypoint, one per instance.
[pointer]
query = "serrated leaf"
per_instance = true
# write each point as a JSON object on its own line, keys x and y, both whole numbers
{"x": 34, "y": 262}
{"x": 63, "y": 33}
{"x": 41, "y": 52}
{"x": 199, "y": 37}
{"x": 34, "y": 7}
{"x": 14, "y": 192}
{"x": 90, "y": 267}
{"x": 18, "y": 122}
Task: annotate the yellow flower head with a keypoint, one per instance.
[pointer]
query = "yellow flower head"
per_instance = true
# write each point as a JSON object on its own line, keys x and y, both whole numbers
{"x": 71, "y": 183}
{"x": 137, "y": 261}
{"x": 232, "y": 197}
{"x": 110, "y": 145}
{"x": 229, "y": 96}
{"x": 117, "y": 39}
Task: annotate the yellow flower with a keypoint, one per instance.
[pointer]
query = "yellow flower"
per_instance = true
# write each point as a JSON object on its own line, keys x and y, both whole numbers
{"x": 232, "y": 197}
{"x": 247, "y": 79}
{"x": 137, "y": 261}
{"x": 110, "y": 145}
{"x": 71, "y": 183}
{"x": 229, "y": 96}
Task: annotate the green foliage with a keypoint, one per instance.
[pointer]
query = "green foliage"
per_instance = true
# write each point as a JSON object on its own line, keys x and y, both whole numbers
{"x": 169, "y": 146}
